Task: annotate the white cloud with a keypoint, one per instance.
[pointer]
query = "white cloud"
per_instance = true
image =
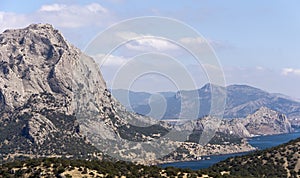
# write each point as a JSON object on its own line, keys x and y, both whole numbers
{"x": 199, "y": 41}
{"x": 145, "y": 42}
{"x": 259, "y": 68}
{"x": 151, "y": 43}
{"x": 53, "y": 7}
{"x": 74, "y": 16}
{"x": 60, "y": 15}
{"x": 109, "y": 61}
{"x": 193, "y": 41}
{"x": 290, "y": 71}
{"x": 96, "y": 8}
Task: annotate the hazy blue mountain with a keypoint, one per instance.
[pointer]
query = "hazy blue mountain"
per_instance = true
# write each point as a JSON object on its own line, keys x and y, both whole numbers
{"x": 131, "y": 99}
{"x": 241, "y": 101}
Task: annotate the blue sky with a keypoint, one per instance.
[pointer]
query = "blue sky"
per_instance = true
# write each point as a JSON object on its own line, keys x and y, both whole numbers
{"x": 257, "y": 42}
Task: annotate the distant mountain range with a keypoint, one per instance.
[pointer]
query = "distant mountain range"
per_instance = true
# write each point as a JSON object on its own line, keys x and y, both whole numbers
{"x": 241, "y": 101}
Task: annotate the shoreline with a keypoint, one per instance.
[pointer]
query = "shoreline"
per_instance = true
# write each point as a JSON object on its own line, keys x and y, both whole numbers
{"x": 195, "y": 160}
{"x": 246, "y": 152}
{"x": 203, "y": 151}
{"x": 233, "y": 155}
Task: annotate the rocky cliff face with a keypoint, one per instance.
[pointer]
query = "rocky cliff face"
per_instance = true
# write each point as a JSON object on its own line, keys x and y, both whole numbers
{"x": 37, "y": 87}
{"x": 52, "y": 96}
{"x": 267, "y": 122}
{"x": 263, "y": 122}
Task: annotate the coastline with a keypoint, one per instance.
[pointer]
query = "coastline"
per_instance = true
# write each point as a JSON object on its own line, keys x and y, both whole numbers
{"x": 259, "y": 143}
{"x": 192, "y": 152}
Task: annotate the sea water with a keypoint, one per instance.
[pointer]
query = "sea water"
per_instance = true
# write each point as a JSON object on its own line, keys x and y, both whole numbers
{"x": 259, "y": 142}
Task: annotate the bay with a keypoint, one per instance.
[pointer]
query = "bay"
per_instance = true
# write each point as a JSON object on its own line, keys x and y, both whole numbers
{"x": 268, "y": 141}
{"x": 260, "y": 142}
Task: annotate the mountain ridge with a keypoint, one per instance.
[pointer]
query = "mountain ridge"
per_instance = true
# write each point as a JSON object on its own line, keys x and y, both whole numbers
{"x": 241, "y": 101}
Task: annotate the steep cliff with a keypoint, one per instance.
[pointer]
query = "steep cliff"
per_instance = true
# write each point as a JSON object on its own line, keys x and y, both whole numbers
{"x": 52, "y": 95}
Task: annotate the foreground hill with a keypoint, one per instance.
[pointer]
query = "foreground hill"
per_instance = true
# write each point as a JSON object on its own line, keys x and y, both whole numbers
{"x": 57, "y": 167}
{"x": 280, "y": 161}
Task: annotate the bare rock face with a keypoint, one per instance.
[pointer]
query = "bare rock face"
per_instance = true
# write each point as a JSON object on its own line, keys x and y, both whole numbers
{"x": 234, "y": 127}
{"x": 28, "y": 57}
{"x": 36, "y": 98}
{"x": 263, "y": 122}
{"x": 2, "y": 101}
{"x": 52, "y": 95}
{"x": 267, "y": 122}
{"x": 38, "y": 128}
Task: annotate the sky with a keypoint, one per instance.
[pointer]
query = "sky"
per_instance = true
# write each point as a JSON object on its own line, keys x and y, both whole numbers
{"x": 255, "y": 42}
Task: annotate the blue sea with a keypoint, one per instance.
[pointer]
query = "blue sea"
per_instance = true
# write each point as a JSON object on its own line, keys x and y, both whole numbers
{"x": 260, "y": 142}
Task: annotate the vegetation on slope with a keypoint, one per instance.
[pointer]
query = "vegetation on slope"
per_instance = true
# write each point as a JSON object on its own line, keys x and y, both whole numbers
{"x": 57, "y": 167}
{"x": 280, "y": 161}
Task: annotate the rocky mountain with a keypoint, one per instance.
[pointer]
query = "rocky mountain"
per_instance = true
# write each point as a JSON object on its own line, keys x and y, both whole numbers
{"x": 263, "y": 122}
{"x": 267, "y": 122}
{"x": 37, "y": 110}
{"x": 241, "y": 101}
{"x": 52, "y": 95}
{"x": 134, "y": 100}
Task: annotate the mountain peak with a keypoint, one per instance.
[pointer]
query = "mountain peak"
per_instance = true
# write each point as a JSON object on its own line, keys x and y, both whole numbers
{"x": 265, "y": 109}
{"x": 40, "y": 26}
{"x": 34, "y": 35}
{"x": 33, "y": 27}
{"x": 267, "y": 112}
{"x": 210, "y": 86}
{"x": 267, "y": 122}
{"x": 34, "y": 60}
